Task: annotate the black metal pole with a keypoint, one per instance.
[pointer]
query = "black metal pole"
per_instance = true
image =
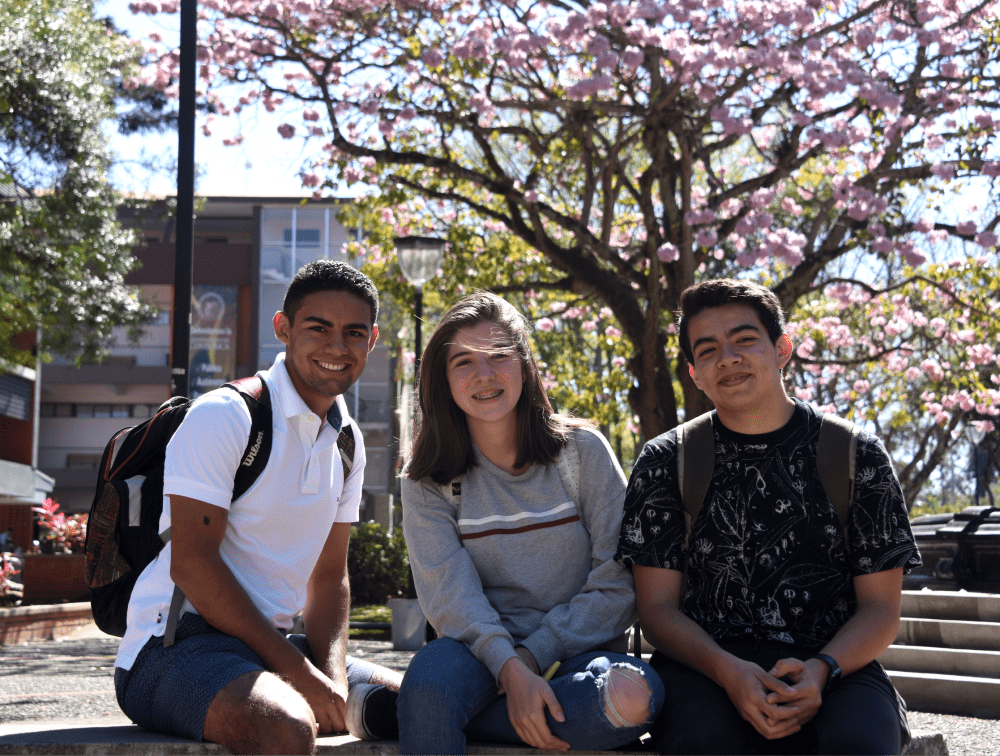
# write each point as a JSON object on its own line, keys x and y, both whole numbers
{"x": 184, "y": 255}
{"x": 418, "y": 315}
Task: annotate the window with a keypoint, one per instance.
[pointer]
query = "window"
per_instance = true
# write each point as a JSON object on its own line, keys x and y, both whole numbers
{"x": 304, "y": 237}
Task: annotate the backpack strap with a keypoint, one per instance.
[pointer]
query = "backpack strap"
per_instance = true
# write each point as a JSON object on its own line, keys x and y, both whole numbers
{"x": 695, "y": 463}
{"x": 345, "y": 445}
{"x": 836, "y": 459}
{"x": 252, "y": 462}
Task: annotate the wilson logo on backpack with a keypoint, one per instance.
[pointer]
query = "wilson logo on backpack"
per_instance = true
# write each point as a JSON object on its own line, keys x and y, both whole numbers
{"x": 253, "y": 450}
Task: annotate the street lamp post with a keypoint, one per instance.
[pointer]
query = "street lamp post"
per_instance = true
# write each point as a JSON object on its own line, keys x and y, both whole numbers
{"x": 975, "y": 436}
{"x": 419, "y": 258}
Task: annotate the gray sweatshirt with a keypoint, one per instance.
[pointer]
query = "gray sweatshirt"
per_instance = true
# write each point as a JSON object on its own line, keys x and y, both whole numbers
{"x": 514, "y": 561}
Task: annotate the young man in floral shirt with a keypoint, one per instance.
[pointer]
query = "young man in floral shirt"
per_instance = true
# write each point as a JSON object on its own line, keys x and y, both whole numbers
{"x": 775, "y": 635}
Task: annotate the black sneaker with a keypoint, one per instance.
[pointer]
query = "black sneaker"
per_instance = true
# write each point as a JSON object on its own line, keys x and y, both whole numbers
{"x": 371, "y": 712}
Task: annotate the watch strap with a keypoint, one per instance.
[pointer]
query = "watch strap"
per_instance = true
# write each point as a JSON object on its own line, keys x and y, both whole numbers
{"x": 833, "y": 677}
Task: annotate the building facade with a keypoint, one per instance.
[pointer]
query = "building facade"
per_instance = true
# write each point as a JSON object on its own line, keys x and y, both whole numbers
{"x": 246, "y": 251}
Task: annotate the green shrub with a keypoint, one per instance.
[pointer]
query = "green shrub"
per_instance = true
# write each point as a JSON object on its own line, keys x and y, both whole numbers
{"x": 377, "y": 564}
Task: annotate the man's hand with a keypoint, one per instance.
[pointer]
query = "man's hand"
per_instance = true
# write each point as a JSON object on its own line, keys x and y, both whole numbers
{"x": 806, "y": 693}
{"x": 326, "y": 698}
{"x": 527, "y": 696}
{"x": 750, "y": 689}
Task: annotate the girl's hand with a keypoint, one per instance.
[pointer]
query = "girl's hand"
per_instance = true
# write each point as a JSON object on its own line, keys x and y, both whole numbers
{"x": 527, "y": 697}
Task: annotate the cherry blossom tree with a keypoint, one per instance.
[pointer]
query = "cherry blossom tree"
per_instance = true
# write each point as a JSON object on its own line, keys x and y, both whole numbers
{"x": 841, "y": 152}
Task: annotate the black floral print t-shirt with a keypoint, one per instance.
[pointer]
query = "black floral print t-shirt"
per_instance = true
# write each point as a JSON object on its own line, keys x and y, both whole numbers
{"x": 767, "y": 558}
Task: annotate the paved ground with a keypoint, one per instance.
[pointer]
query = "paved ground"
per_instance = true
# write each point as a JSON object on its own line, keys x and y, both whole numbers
{"x": 72, "y": 679}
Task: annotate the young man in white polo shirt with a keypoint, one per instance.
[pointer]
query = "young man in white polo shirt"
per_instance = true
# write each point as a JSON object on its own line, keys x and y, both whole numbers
{"x": 246, "y": 570}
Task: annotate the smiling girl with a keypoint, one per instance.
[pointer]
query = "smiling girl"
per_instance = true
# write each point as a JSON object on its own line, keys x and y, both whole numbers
{"x": 514, "y": 572}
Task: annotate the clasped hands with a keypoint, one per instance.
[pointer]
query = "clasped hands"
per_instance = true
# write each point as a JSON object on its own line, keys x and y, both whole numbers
{"x": 775, "y": 708}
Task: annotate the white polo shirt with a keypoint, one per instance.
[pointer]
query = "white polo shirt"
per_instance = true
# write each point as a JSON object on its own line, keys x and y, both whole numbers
{"x": 277, "y": 529}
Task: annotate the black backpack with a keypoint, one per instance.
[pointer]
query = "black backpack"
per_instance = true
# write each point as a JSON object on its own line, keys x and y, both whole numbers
{"x": 123, "y": 528}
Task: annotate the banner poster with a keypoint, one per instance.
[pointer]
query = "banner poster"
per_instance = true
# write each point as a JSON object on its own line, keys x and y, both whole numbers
{"x": 213, "y": 338}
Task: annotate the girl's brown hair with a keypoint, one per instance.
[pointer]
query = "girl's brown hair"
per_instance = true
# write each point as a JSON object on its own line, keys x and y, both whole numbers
{"x": 443, "y": 448}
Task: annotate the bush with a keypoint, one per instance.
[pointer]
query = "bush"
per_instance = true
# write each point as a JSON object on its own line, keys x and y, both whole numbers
{"x": 377, "y": 564}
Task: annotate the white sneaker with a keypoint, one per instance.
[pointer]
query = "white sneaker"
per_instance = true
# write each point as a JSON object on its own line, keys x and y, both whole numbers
{"x": 371, "y": 712}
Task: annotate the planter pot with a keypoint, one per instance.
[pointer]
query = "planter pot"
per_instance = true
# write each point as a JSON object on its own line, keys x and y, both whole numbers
{"x": 54, "y": 578}
{"x": 409, "y": 628}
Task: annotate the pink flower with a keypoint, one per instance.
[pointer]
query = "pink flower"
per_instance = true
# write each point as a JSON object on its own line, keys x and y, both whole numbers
{"x": 944, "y": 171}
{"x": 432, "y": 58}
{"x": 707, "y": 237}
{"x": 668, "y": 253}
{"x": 545, "y": 324}
{"x": 286, "y": 130}
{"x": 618, "y": 361}
{"x": 986, "y": 239}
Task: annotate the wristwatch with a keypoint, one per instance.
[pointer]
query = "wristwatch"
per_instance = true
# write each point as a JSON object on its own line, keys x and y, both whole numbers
{"x": 832, "y": 679}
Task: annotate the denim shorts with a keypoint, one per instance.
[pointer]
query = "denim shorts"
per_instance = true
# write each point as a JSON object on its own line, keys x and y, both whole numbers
{"x": 169, "y": 690}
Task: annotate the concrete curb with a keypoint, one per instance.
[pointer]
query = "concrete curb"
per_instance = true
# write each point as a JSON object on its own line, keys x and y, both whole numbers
{"x": 23, "y": 624}
{"x": 960, "y": 634}
{"x": 948, "y": 694}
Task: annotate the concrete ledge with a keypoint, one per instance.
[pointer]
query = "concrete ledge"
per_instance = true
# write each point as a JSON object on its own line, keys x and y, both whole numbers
{"x": 22, "y": 624}
{"x": 52, "y": 740}
{"x": 948, "y": 694}
{"x": 942, "y": 661}
{"x": 980, "y": 636}
{"x": 952, "y": 605}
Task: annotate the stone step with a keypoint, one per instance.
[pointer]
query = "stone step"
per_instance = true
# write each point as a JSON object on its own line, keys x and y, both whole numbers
{"x": 948, "y": 694}
{"x": 942, "y": 661}
{"x": 980, "y": 636}
{"x": 952, "y": 605}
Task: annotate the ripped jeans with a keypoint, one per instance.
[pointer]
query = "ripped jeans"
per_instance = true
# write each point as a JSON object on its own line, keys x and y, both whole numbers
{"x": 449, "y": 695}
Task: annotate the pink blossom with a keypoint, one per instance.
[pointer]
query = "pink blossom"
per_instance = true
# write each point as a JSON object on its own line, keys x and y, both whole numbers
{"x": 286, "y": 130}
{"x": 618, "y": 361}
{"x": 310, "y": 179}
{"x": 588, "y": 87}
{"x": 668, "y": 253}
{"x": 310, "y": 114}
{"x": 432, "y": 58}
{"x": 612, "y": 332}
{"x": 986, "y": 239}
{"x": 707, "y": 237}
{"x": 924, "y": 225}
{"x": 545, "y": 324}
{"x": 944, "y": 171}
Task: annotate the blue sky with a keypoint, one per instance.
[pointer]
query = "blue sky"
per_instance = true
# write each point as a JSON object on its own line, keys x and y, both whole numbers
{"x": 265, "y": 164}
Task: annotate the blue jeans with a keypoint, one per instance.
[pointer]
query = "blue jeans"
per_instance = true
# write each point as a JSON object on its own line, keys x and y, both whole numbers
{"x": 448, "y": 695}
